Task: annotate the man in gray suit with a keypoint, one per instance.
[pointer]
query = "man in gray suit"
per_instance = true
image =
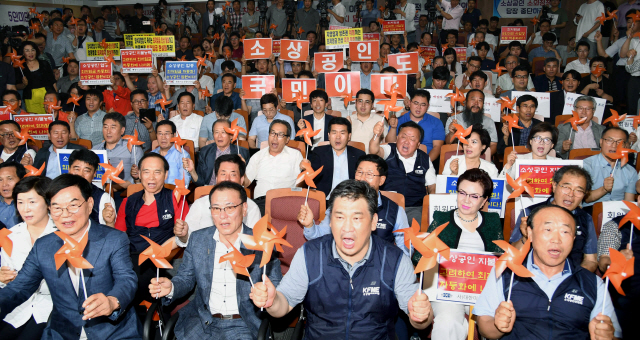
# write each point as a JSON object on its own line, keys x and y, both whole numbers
{"x": 589, "y": 132}
{"x": 208, "y": 18}
{"x": 222, "y": 306}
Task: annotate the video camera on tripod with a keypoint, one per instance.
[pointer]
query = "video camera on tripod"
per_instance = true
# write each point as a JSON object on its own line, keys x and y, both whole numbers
{"x": 322, "y": 8}
{"x": 358, "y": 5}
{"x": 290, "y": 11}
{"x": 390, "y": 5}
{"x": 262, "y": 8}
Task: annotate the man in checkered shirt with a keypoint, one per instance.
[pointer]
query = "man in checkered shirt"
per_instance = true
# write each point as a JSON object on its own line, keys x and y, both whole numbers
{"x": 234, "y": 18}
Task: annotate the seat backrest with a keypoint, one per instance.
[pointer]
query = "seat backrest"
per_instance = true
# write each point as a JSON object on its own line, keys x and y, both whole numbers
{"x": 198, "y": 112}
{"x": 561, "y": 119}
{"x": 421, "y": 147}
{"x": 398, "y": 198}
{"x": 519, "y": 150}
{"x": 510, "y": 216}
{"x": 244, "y": 115}
{"x": 202, "y": 191}
{"x": 288, "y": 113}
{"x": 538, "y": 65}
{"x": 188, "y": 147}
{"x": 133, "y": 188}
{"x": 82, "y": 142}
{"x": 243, "y": 143}
{"x": 582, "y": 153}
{"x": 282, "y": 207}
{"x": 447, "y": 151}
{"x": 596, "y": 214}
{"x": 570, "y": 59}
{"x": 357, "y": 145}
{"x": 532, "y": 47}
{"x": 298, "y": 145}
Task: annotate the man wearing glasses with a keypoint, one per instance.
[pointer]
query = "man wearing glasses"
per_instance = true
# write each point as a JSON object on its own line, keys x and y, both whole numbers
{"x": 110, "y": 285}
{"x": 611, "y": 181}
{"x": 519, "y": 81}
{"x": 571, "y": 185}
{"x": 275, "y": 166}
{"x": 589, "y": 135}
{"x": 145, "y": 128}
{"x": 261, "y": 126}
{"x": 463, "y": 81}
{"x": 526, "y": 106}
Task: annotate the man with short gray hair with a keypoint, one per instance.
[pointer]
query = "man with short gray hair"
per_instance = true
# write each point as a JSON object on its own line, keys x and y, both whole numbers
{"x": 589, "y": 132}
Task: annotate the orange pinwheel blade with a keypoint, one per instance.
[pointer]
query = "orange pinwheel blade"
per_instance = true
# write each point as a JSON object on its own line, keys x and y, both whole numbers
{"x": 5, "y": 241}
{"x": 512, "y": 259}
{"x": 408, "y": 232}
{"x": 111, "y": 173}
{"x": 156, "y": 253}
{"x": 520, "y": 185}
{"x": 33, "y": 172}
{"x": 512, "y": 120}
{"x": 461, "y": 133}
{"x": 239, "y": 263}
{"x": 71, "y": 251}
{"x": 632, "y": 216}
{"x": 181, "y": 188}
{"x": 619, "y": 269}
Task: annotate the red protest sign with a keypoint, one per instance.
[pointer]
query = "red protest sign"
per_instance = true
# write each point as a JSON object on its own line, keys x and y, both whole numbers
{"x": 137, "y": 61}
{"x": 381, "y": 84}
{"x": 342, "y": 83}
{"x": 428, "y": 52}
{"x": 299, "y": 87}
{"x": 513, "y": 33}
{"x": 38, "y": 125}
{"x": 95, "y": 73}
{"x": 4, "y": 115}
{"x": 294, "y": 50}
{"x": 540, "y": 180}
{"x": 363, "y": 51}
{"x": 257, "y": 86}
{"x": 371, "y": 36}
{"x": 406, "y": 63}
{"x": 275, "y": 47}
{"x": 461, "y": 54}
{"x": 328, "y": 61}
{"x": 257, "y": 48}
{"x": 393, "y": 27}
{"x": 464, "y": 276}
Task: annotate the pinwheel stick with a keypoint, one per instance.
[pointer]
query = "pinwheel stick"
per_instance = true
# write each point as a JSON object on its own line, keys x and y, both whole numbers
{"x": 420, "y": 286}
{"x": 631, "y": 236}
{"x": 157, "y": 277}
{"x": 307, "y": 197}
{"x": 510, "y": 285}
{"x": 84, "y": 287}
{"x": 614, "y": 170}
{"x": 512, "y": 141}
{"x": 458, "y": 148}
{"x": 524, "y": 211}
{"x": 606, "y": 288}
{"x": 183, "y": 197}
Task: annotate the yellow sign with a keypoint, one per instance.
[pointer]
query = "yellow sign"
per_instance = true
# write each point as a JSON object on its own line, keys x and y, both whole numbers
{"x": 162, "y": 46}
{"x": 336, "y": 39}
{"x": 95, "y": 51}
{"x": 129, "y": 38}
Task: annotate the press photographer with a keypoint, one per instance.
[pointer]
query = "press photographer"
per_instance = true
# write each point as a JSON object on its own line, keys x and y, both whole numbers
{"x": 452, "y": 13}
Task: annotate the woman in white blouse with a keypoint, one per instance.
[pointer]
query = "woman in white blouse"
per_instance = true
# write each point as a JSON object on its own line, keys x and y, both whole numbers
{"x": 542, "y": 138}
{"x": 472, "y": 153}
{"x": 28, "y": 320}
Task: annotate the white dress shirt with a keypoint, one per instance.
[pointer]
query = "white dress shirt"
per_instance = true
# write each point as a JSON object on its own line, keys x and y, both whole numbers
{"x": 409, "y": 163}
{"x": 410, "y": 10}
{"x": 487, "y": 166}
{"x": 222, "y": 297}
{"x": 39, "y": 305}
{"x": 578, "y": 66}
{"x": 274, "y": 172}
{"x": 188, "y": 128}
{"x": 75, "y": 276}
{"x": 456, "y": 13}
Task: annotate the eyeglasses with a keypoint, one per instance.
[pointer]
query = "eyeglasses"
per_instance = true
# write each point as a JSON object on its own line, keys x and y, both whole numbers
{"x": 139, "y": 102}
{"x": 7, "y": 135}
{"x": 540, "y": 140}
{"x": 511, "y": 62}
{"x": 472, "y": 65}
{"x": 567, "y": 190}
{"x": 279, "y": 135}
{"x": 521, "y": 76}
{"x": 71, "y": 209}
{"x": 368, "y": 175}
{"x": 585, "y": 109}
{"x": 611, "y": 141}
{"x": 230, "y": 210}
{"x": 473, "y": 197}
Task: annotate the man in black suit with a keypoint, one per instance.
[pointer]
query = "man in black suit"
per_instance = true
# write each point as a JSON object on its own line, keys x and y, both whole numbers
{"x": 317, "y": 117}
{"x": 338, "y": 158}
{"x": 526, "y": 106}
{"x": 570, "y": 84}
{"x": 59, "y": 131}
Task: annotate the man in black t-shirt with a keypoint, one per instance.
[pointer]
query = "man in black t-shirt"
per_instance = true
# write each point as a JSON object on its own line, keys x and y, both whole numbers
{"x": 7, "y": 78}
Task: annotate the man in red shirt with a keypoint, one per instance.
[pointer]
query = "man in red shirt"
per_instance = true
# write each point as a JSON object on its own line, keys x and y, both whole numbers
{"x": 118, "y": 98}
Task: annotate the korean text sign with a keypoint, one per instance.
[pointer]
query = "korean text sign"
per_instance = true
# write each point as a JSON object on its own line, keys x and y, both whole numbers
{"x": 328, "y": 61}
{"x": 63, "y": 160}
{"x": 513, "y": 33}
{"x": 342, "y": 83}
{"x": 570, "y": 100}
{"x": 461, "y": 54}
{"x": 544, "y": 101}
{"x": 542, "y": 172}
{"x": 406, "y": 63}
{"x": 130, "y": 38}
{"x": 37, "y": 125}
{"x": 257, "y": 48}
{"x": 294, "y": 50}
{"x": 162, "y": 46}
{"x": 439, "y": 101}
{"x": 96, "y": 52}
{"x": 381, "y": 84}
{"x": 390, "y": 27}
{"x": 464, "y": 276}
{"x": 257, "y": 86}
{"x": 449, "y": 185}
{"x": 275, "y": 47}
{"x": 336, "y": 39}
{"x": 364, "y": 51}
{"x": 137, "y": 61}
{"x": 293, "y": 88}
{"x": 519, "y": 8}
{"x": 181, "y": 72}
{"x": 428, "y": 52}
{"x": 95, "y": 73}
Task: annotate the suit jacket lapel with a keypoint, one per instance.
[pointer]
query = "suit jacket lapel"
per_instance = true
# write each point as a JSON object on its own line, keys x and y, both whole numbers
{"x": 209, "y": 259}
{"x": 64, "y": 282}
{"x": 91, "y": 253}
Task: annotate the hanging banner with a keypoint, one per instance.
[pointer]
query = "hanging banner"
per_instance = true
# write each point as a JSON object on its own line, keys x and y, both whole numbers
{"x": 518, "y": 9}
{"x": 294, "y": 50}
{"x": 292, "y": 88}
{"x": 328, "y": 61}
{"x": 137, "y": 61}
{"x": 544, "y": 101}
{"x": 340, "y": 84}
{"x": 542, "y": 172}
{"x": 181, "y": 72}
{"x": 381, "y": 84}
{"x": 37, "y": 125}
{"x": 130, "y": 38}
{"x": 257, "y": 86}
{"x": 513, "y": 33}
{"x": 95, "y": 51}
{"x": 95, "y": 73}
{"x": 63, "y": 160}
{"x": 336, "y": 39}
{"x": 390, "y": 27}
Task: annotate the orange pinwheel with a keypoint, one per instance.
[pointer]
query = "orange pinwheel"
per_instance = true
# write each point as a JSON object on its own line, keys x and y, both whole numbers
{"x": 7, "y": 109}
{"x": 216, "y": 36}
{"x": 23, "y": 136}
{"x": 390, "y": 108}
{"x": 14, "y": 107}
{"x": 243, "y": 37}
{"x": 204, "y": 93}
{"x": 512, "y": 120}
{"x": 158, "y": 30}
{"x": 18, "y": 63}
{"x": 429, "y": 248}
{"x": 265, "y": 237}
{"x": 74, "y": 99}
{"x": 598, "y": 71}
{"x": 506, "y": 103}
{"x": 239, "y": 263}
{"x": 104, "y": 44}
{"x": 273, "y": 26}
{"x": 348, "y": 98}
{"x": 635, "y": 16}
{"x": 520, "y": 185}
{"x": 473, "y": 42}
{"x": 535, "y": 21}
{"x": 5, "y": 241}
{"x": 611, "y": 15}
{"x": 66, "y": 59}
{"x": 445, "y": 46}
{"x": 33, "y": 172}
{"x": 178, "y": 142}
{"x": 602, "y": 18}
{"x": 308, "y": 175}
{"x": 308, "y": 133}
{"x": 111, "y": 173}
{"x": 234, "y": 130}
{"x": 403, "y": 50}
{"x": 163, "y": 102}
{"x": 183, "y": 58}
{"x": 156, "y": 253}
{"x": 380, "y": 20}
{"x": 512, "y": 259}
{"x": 201, "y": 62}
{"x": 33, "y": 10}
{"x": 34, "y": 26}
{"x": 211, "y": 55}
{"x": 300, "y": 31}
{"x": 499, "y": 70}
{"x": 40, "y": 17}
{"x": 13, "y": 55}
{"x": 227, "y": 54}
{"x": 228, "y": 3}
{"x": 109, "y": 59}
{"x": 619, "y": 269}
{"x": 147, "y": 304}
{"x": 300, "y": 99}
{"x": 427, "y": 61}
{"x": 615, "y": 119}
{"x": 178, "y": 24}
{"x": 180, "y": 189}
{"x": 456, "y": 97}
{"x": 413, "y": 231}
{"x": 71, "y": 251}
{"x": 461, "y": 133}
{"x": 72, "y": 22}
{"x": 132, "y": 140}
{"x": 621, "y": 153}
{"x": 226, "y": 26}
{"x": 632, "y": 216}
{"x": 636, "y": 120}
{"x": 575, "y": 120}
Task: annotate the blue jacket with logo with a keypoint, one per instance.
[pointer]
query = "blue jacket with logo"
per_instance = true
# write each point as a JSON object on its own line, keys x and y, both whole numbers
{"x": 413, "y": 184}
{"x": 164, "y": 204}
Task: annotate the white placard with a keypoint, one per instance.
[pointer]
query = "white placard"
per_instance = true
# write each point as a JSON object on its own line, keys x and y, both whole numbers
{"x": 544, "y": 101}
{"x": 492, "y": 109}
{"x": 613, "y": 209}
{"x": 627, "y": 124}
{"x": 439, "y": 102}
{"x": 570, "y": 99}
{"x": 442, "y": 203}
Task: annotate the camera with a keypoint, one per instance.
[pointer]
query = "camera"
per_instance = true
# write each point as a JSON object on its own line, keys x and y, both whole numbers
{"x": 390, "y": 5}
{"x": 13, "y": 33}
{"x": 358, "y": 6}
{"x": 544, "y": 12}
{"x": 322, "y": 8}
{"x": 430, "y": 6}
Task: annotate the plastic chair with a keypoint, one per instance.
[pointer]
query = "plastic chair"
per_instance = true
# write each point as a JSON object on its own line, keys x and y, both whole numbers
{"x": 510, "y": 216}
{"x": 597, "y": 215}
{"x": 395, "y": 197}
{"x": 82, "y": 142}
{"x": 561, "y": 119}
{"x": 288, "y": 113}
{"x": 583, "y": 153}
{"x": 244, "y": 115}
{"x": 447, "y": 151}
{"x": 538, "y": 65}
{"x": 519, "y": 150}
{"x": 198, "y": 112}
{"x": 298, "y": 145}
{"x": 357, "y": 145}
{"x": 571, "y": 59}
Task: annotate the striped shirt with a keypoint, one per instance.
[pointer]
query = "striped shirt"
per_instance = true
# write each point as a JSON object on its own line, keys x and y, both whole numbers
{"x": 90, "y": 127}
